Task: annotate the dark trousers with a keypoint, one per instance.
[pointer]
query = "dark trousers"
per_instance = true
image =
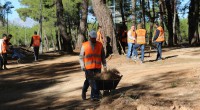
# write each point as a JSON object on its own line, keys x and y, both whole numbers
{"x": 159, "y": 50}
{"x": 36, "y": 52}
{"x": 3, "y": 61}
{"x": 89, "y": 82}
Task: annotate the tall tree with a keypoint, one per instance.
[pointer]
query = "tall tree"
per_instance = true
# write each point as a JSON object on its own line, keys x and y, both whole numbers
{"x": 174, "y": 22}
{"x": 142, "y": 6}
{"x": 162, "y": 12}
{"x": 169, "y": 22}
{"x": 62, "y": 27}
{"x": 104, "y": 18}
{"x": 134, "y": 11}
{"x": 122, "y": 11}
{"x": 193, "y": 20}
{"x": 151, "y": 18}
{"x": 83, "y": 24}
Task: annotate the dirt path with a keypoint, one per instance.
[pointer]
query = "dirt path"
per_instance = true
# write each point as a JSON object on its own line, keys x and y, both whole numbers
{"x": 171, "y": 84}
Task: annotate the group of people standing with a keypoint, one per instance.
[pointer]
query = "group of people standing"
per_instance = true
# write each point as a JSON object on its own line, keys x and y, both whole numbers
{"x": 136, "y": 38}
{"x": 4, "y": 50}
{"x": 92, "y": 55}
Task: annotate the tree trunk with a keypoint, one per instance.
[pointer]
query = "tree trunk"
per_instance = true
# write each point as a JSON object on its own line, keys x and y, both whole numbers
{"x": 122, "y": 12}
{"x": 58, "y": 41}
{"x": 169, "y": 22}
{"x": 152, "y": 18}
{"x": 104, "y": 18}
{"x": 83, "y": 24}
{"x": 162, "y": 11}
{"x": 174, "y": 23}
{"x": 143, "y": 13}
{"x": 134, "y": 12}
{"x": 193, "y": 20}
{"x": 52, "y": 41}
{"x": 46, "y": 42}
{"x": 62, "y": 27}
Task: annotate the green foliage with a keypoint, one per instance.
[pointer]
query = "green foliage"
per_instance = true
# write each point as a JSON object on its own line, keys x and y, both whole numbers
{"x": 32, "y": 9}
{"x": 184, "y": 29}
{"x": 21, "y": 35}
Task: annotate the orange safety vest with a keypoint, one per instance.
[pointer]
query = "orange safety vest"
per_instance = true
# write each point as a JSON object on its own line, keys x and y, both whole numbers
{"x": 99, "y": 37}
{"x": 36, "y": 41}
{"x": 161, "y": 37}
{"x": 92, "y": 58}
{"x": 141, "y": 34}
{"x": 133, "y": 33}
{"x": 4, "y": 47}
{"x": 124, "y": 39}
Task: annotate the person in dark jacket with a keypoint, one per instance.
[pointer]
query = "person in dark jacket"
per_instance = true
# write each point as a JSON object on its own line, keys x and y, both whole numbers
{"x": 158, "y": 40}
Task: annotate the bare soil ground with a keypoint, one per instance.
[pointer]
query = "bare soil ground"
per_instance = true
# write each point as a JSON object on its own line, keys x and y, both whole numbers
{"x": 55, "y": 83}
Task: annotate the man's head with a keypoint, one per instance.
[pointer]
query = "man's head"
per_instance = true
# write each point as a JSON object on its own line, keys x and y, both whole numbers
{"x": 133, "y": 28}
{"x": 4, "y": 36}
{"x": 9, "y": 36}
{"x": 93, "y": 36}
{"x": 35, "y": 32}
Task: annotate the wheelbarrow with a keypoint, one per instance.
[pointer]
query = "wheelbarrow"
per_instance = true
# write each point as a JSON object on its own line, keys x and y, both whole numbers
{"x": 107, "y": 85}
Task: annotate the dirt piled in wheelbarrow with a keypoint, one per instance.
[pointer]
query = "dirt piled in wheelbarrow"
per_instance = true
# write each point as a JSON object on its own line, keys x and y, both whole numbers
{"x": 112, "y": 74}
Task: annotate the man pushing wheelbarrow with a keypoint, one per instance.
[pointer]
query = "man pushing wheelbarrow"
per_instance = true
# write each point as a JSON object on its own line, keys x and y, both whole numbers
{"x": 92, "y": 55}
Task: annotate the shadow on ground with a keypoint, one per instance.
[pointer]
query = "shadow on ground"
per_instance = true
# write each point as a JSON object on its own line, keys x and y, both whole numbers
{"x": 144, "y": 93}
{"x": 19, "y": 85}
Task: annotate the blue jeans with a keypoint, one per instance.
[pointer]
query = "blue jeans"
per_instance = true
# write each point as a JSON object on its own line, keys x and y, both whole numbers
{"x": 88, "y": 82}
{"x": 142, "y": 50}
{"x": 131, "y": 50}
{"x": 159, "y": 50}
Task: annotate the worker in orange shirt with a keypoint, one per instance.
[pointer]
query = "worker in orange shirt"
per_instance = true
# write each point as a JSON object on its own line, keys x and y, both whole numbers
{"x": 131, "y": 42}
{"x": 141, "y": 40}
{"x": 100, "y": 36}
{"x": 92, "y": 57}
{"x": 35, "y": 42}
{"x": 158, "y": 40}
{"x": 3, "y": 52}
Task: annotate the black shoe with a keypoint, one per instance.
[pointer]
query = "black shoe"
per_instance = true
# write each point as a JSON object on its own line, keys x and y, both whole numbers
{"x": 83, "y": 95}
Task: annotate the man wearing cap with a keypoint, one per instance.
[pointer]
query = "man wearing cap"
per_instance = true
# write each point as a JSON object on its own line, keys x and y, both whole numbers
{"x": 92, "y": 56}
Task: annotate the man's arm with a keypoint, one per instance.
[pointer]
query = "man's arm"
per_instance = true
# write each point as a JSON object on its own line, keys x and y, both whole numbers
{"x": 156, "y": 35}
{"x": 81, "y": 56}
